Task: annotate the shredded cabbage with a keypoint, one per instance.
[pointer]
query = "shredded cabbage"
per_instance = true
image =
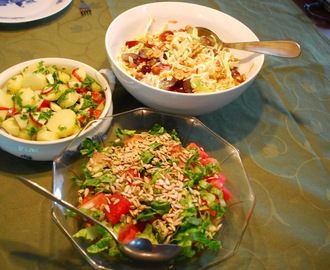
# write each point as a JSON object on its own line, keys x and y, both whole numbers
{"x": 180, "y": 60}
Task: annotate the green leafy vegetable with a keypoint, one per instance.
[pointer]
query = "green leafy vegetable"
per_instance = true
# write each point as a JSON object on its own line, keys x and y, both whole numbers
{"x": 155, "y": 145}
{"x": 89, "y": 146}
{"x": 157, "y": 208}
{"x": 157, "y": 130}
{"x": 121, "y": 132}
{"x": 147, "y": 156}
{"x": 158, "y": 164}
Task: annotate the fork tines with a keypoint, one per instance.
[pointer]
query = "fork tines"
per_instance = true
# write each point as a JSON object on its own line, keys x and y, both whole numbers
{"x": 84, "y": 8}
{"x": 85, "y": 11}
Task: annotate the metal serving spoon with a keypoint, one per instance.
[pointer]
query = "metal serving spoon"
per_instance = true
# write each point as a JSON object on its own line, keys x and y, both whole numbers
{"x": 139, "y": 249}
{"x": 282, "y": 48}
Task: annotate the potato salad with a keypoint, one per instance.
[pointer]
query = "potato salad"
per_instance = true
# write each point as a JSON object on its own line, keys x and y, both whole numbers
{"x": 180, "y": 61}
{"x": 45, "y": 103}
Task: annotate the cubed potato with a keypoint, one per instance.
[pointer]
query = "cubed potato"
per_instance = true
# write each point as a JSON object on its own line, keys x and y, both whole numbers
{"x": 79, "y": 74}
{"x": 77, "y": 129}
{"x": 6, "y": 100}
{"x": 96, "y": 87}
{"x": 74, "y": 84}
{"x": 25, "y": 97}
{"x": 24, "y": 134}
{"x": 32, "y": 68}
{"x": 35, "y": 81}
{"x": 62, "y": 123}
{"x": 14, "y": 84}
{"x": 68, "y": 99}
{"x": 46, "y": 135}
{"x": 11, "y": 126}
{"x": 55, "y": 107}
{"x": 3, "y": 115}
{"x": 22, "y": 120}
{"x": 64, "y": 77}
{"x": 32, "y": 125}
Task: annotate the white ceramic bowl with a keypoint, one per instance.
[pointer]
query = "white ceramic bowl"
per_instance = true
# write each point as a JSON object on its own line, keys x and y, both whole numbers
{"x": 42, "y": 150}
{"x": 132, "y": 24}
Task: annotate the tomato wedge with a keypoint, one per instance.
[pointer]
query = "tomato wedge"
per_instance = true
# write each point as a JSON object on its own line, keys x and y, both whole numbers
{"x": 98, "y": 97}
{"x": 133, "y": 172}
{"x": 97, "y": 114}
{"x": 81, "y": 90}
{"x": 94, "y": 201}
{"x": 226, "y": 194}
{"x": 175, "y": 149}
{"x": 81, "y": 118}
{"x": 202, "y": 154}
{"x": 208, "y": 160}
{"x": 217, "y": 180}
{"x": 127, "y": 233}
{"x": 132, "y": 139}
{"x": 119, "y": 206}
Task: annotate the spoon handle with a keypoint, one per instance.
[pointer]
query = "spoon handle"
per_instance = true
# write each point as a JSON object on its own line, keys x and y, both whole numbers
{"x": 44, "y": 192}
{"x": 282, "y": 48}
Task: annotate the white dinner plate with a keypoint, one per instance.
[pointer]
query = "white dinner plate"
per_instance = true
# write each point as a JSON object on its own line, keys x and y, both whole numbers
{"x": 19, "y": 11}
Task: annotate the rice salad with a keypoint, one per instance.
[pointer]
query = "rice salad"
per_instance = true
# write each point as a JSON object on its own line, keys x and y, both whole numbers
{"x": 181, "y": 61}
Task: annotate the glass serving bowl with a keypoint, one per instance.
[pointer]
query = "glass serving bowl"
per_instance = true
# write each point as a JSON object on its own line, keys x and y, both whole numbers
{"x": 189, "y": 129}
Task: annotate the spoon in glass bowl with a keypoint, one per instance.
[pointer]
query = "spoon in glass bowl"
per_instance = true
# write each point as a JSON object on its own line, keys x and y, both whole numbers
{"x": 140, "y": 249}
{"x": 281, "y": 48}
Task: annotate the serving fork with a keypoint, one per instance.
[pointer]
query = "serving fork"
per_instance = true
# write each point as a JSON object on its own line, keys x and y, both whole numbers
{"x": 84, "y": 8}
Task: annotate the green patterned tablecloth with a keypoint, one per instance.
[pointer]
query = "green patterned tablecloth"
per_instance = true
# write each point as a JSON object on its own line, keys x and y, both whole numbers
{"x": 281, "y": 125}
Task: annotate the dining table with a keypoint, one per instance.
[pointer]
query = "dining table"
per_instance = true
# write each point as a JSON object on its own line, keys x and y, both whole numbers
{"x": 280, "y": 125}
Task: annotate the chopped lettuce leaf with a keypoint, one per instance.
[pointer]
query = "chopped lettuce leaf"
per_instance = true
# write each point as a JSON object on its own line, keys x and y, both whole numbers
{"x": 121, "y": 132}
{"x": 155, "y": 145}
{"x": 157, "y": 130}
{"x": 148, "y": 233}
{"x": 156, "y": 208}
{"x": 146, "y": 157}
{"x": 101, "y": 245}
{"x": 88, "y": 146}
{"x": 174, "y": 136}
{"x": 89, "y": 233}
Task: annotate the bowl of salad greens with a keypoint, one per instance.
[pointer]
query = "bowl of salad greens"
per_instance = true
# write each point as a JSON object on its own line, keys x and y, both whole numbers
{"x": 153, "y": 175}
{"x": 45, "y": 102}
{"x": 158, "y": 56}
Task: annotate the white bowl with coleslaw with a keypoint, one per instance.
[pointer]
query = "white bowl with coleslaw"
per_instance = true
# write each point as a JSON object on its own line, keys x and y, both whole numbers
{"x": 152, "y": 18}
{"x": 47, "y": 150}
